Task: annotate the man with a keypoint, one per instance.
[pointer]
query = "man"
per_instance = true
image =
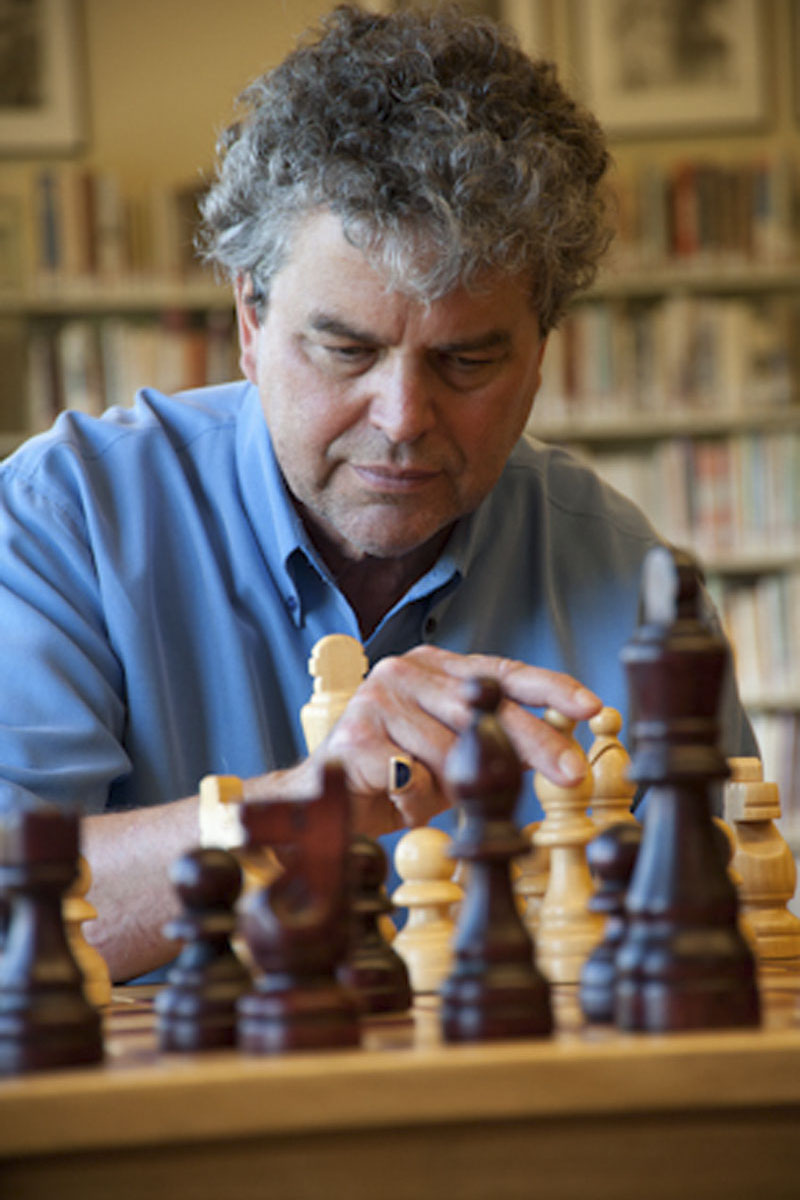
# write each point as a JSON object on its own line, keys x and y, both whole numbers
{"x": 405, "y": 209}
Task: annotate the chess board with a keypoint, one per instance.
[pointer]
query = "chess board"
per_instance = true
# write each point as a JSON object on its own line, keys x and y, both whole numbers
{"x": 586, "y": 1112}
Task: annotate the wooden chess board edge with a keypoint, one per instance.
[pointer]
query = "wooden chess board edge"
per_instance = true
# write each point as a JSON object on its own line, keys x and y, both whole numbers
{"x": 227, "y": 1095}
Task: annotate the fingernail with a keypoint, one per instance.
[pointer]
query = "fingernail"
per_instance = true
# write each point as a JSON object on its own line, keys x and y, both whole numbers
{"x": 572, "y": 764}
{"x": 586, "y": 699}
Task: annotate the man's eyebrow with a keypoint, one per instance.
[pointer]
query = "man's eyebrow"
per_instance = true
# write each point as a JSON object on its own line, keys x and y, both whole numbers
{"x": 322, "y": 322}
{"x": 483, "y": 341}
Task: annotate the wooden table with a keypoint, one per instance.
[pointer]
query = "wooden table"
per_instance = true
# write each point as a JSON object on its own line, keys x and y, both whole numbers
{"x": 586, "y": 1114}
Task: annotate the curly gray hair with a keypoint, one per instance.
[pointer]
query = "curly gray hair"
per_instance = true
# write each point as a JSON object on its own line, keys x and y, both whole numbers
{"x": 443, "y": 148}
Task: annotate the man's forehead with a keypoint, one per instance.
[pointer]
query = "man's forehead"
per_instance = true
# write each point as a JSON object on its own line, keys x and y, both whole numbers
{"x": 401, "y": 261}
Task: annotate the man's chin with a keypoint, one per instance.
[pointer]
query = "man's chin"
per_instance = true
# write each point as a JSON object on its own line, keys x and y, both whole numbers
{"x": 385, "y": 543}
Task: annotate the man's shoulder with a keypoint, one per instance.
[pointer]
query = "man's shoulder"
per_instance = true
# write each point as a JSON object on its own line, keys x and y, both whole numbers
{"x": 122, "y": 437}
{"x": 557, "y": 486}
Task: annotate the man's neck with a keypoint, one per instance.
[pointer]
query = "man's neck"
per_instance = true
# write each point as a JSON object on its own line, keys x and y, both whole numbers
{"x": 373, "y": 585}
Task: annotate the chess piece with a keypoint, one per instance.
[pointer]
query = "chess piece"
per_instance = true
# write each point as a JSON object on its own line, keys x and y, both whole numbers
{"x": 196, "y": 1010}
{"x": 568, "y": 931}
{"x": 77, "y": 911}
{"x": 726, "y": 841}
{"x": 372, "y": 968}
{"x": 683, "y": 962}
{"x": 767, "y": 874}
{"x": 221, "y": 798}
{"x": 430, "y": 896}
{"x": 297, "y": 928}
{"x": 337, "y": 665}
{"x": 531, "y": 872}
{"x": 611, "y": 856}
{"x": 612, "y": 789}
{"x": 45, "y": 1019}
{"x": 494, "y": 989}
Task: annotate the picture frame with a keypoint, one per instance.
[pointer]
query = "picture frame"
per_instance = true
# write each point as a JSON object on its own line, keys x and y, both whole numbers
{"x": 41, "y": 78}
{"x": 665, "y": 67}
{"x": 526, "y": 16}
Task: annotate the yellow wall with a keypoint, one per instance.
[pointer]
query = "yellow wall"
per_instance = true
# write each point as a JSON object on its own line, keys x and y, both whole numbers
{"x": 163, "y": 75}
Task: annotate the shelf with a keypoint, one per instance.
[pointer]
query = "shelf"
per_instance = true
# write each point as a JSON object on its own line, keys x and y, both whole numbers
{"x": 639, "y": 426}
{"x": 709, "y": 277}
{"x": 62, "y": 297}
{"x": 751, "y": 562}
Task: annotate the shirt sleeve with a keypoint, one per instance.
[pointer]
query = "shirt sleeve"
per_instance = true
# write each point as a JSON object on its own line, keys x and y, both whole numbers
{"x": 62, "y": 709}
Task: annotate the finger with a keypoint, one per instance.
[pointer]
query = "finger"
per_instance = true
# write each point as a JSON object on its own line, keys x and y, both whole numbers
{"x": 374, "y": 814}
{"x": 419, "y": 700}
{"x": 536, "y": 687}
{"x": 390, "y": 716}
{"x": 539, "y": 745}
{"x": 544, "y": 748}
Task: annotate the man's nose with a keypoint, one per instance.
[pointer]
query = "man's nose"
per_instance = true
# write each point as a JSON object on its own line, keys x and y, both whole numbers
{"x": 403, "y": 403}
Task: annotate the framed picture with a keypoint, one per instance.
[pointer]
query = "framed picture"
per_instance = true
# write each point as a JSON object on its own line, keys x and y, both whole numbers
{"x": 487, "y": 8}
{"x": 525, "y": 15}
{"x": 41, "y": 76}
{"x": 665, "y": 66}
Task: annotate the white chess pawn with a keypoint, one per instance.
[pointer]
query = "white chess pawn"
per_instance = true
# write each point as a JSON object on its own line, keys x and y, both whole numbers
{"x": 530, "y": 873}
{"x": 77, "y": 910}
{"x": 612, "y": 791}
{"x": 567, "y": 931}
{"x": 767, "y": 871}
{"x": 337, "y": 664}
{"x": 429, "y": 895}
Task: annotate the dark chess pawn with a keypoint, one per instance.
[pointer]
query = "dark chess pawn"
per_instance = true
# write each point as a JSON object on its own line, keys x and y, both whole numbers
{"x": 683, "y": 962}
{"x": 611, "y": 856}
{"x": 494, "y": 989}
{"x": 372, "y": 967}
{"x": 45, "y": 1019}
{"x": 197, "y": 1008}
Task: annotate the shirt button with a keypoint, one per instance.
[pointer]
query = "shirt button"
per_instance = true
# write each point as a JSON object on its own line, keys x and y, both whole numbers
{"x": 291, "y": 603}
{"x": 430, "y": 626}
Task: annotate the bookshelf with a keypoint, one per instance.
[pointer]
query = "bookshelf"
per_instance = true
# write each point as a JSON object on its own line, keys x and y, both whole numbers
{"x": 66, "y": 297}
{"x": 105, "y": 298}
{"x": 677, "y": 374}
{"x": 680, "y": 384}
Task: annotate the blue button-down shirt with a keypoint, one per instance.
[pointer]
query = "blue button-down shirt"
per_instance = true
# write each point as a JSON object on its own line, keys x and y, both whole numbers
{"x": 159, "y": 598}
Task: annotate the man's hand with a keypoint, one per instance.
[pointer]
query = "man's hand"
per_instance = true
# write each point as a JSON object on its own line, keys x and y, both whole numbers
{"x": 414, "y": 704}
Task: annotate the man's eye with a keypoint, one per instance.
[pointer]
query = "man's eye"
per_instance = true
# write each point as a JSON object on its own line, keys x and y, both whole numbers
{"x": 469, "y": 363}
{"x": 350, "y": 353}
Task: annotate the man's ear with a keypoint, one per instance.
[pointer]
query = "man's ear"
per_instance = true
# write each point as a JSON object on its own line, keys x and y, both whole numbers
{"x": 248, "y": 325}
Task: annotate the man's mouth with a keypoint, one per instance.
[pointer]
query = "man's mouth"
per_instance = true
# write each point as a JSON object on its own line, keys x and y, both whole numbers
{"x": 395, "y": 479}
